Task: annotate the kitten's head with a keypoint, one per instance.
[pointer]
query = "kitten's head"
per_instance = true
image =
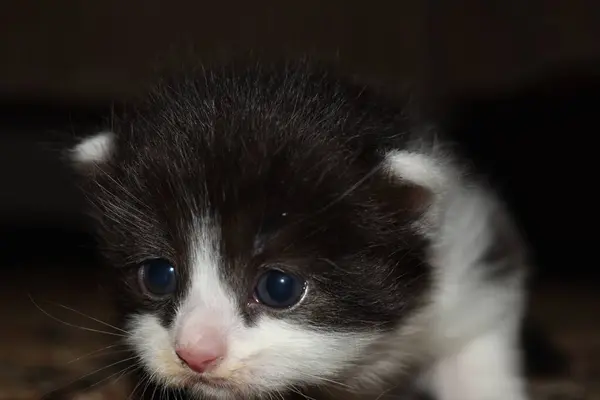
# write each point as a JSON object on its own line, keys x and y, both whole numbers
{"x": 260, "y": 240}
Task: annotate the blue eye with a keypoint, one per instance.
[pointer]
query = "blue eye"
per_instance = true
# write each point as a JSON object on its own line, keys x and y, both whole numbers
{"x": 158, "y": 277}
{"x": 278, "y": 289}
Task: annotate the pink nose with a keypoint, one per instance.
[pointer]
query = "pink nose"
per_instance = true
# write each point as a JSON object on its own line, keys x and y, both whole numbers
{"x": 199, "y": 360}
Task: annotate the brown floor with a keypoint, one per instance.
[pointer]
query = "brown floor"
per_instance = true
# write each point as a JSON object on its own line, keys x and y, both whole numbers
{"x": 39, "y": 354}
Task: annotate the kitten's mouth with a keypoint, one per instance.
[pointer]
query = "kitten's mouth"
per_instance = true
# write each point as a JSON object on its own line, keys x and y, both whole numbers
{"x": 194, "y": 378}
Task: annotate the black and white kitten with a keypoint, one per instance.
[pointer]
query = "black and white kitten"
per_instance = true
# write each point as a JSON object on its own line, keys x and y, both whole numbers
{"x": 278, "y": 230}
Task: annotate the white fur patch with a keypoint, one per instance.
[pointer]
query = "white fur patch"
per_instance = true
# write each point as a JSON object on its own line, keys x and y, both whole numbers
{"x": 474, "y": 317}
{"x": 271, "y": 355}
{"x": 470, "y": 324}
{"x": 94, "y": 149}
{"x": 417, "y": 168}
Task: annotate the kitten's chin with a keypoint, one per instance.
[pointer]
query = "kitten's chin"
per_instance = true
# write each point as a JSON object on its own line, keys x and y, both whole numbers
{"x": 213, "y": 389}
{"x": 220, "y": 390}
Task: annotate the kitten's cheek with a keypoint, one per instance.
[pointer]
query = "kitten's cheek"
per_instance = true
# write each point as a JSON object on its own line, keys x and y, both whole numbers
{"x": 154, "y": 347}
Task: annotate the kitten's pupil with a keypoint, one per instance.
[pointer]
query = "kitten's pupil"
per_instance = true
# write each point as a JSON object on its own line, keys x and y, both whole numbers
{"x": 158, "y": 277}
{"x": 278, "y": 289}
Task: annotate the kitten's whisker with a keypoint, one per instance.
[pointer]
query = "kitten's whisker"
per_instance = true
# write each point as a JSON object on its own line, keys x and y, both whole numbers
{"x": 163, "y": 390}
{"x": 146, "y": 385}
{"x": 90, "y": 317}
{"x": 140, "y": 382}
{"x": 154, "y": 392}
{"x": 72, "y": 325}
{"x": 95, "y": 352}
{"x": 280, "y": 394}
{"x": 89, "y": 374}
{"x": 299, "y": 392}
{"x": 322, "y": 379}
{"x": 121, "y": 373}
{"x": 125, "y": 372}
{"x": 385, "y": 392}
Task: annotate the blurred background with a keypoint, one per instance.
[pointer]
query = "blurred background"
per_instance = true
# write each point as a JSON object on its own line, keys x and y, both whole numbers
{"x": 517, "y": 80}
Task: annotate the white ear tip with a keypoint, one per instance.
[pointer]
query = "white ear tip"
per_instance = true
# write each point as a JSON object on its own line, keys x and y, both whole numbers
{"x": 94, "y": 149}
{"x": 417, "y": 168}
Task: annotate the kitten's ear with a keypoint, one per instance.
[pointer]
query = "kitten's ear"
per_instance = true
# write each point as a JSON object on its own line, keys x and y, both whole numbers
{"x": 427, "y": 175}
{"x": 425, "y": 171}
{"x": 92, "y": 151}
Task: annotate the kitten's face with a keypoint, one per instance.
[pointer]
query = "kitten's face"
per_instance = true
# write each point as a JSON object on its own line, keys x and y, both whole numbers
{"x": 254, "y": 257}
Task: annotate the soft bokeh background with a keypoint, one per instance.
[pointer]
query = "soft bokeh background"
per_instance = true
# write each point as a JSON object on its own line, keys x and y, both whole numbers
{"x": 517, "y": 79}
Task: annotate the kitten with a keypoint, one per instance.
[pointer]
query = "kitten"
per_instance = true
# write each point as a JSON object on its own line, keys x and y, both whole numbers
{"x": 281, "y": 230}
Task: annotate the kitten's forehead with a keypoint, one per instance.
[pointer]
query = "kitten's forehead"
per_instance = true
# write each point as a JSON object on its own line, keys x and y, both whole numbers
{"x": 259, "y": 182}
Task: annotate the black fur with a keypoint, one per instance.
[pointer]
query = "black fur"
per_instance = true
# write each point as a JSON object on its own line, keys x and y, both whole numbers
{"x": 286, "y": 161}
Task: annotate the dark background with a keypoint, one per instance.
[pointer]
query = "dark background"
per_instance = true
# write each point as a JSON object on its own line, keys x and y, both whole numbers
{"x": 522, "y": 76}
{"x": 518, "y": 80}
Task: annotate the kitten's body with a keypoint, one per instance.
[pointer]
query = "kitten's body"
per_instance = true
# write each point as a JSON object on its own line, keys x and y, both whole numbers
{"x": 411, "y": 262}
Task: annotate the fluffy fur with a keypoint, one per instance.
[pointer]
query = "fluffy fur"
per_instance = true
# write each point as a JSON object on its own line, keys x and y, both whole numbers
{"x": 413, "y": 264}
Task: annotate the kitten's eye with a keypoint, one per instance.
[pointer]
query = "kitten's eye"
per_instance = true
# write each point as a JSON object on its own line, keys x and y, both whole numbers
{"x": 158, "y": 278}
{"x": 278, "y": 289}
